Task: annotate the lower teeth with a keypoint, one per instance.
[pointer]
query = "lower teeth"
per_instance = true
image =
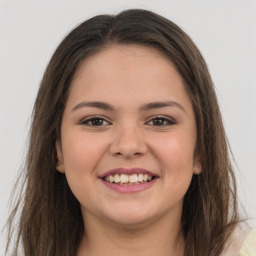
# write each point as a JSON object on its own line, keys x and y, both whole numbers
{"x": 135, "y": 183}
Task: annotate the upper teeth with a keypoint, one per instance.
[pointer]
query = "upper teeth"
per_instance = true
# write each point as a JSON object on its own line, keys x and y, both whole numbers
{"x": 125, "y": 179}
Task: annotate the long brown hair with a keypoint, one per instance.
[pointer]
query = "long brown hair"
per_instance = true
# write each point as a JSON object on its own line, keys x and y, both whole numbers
{"x": 51, "y": 223}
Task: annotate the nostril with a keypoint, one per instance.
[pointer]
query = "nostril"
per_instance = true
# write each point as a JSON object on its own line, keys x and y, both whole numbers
{"x": 128, "y": 155}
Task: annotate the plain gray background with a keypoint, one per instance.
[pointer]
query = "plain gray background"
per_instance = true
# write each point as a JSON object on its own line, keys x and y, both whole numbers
{"x": 224, "y": 30}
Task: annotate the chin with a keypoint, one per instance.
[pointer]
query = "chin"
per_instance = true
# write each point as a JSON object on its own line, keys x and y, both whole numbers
{"x": 131, "y": 216}
{"x": 131, "y": 223}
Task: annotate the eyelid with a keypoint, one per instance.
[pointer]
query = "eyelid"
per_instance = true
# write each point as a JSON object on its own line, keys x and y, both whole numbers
{"x": 93, "y": 117}
{"x": 89, "y": 118}
{"x": 169, "y": 119}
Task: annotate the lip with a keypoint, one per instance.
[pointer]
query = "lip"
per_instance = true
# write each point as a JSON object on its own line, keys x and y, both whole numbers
{"x": 128, "y": 171}
{"x": 130, "y": 188}
{"x": 121, "y": 188}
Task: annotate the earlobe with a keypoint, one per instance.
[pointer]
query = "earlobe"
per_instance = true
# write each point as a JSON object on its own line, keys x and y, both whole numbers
{"x": 197, "y": 169}
{"x": 60, "y": 163}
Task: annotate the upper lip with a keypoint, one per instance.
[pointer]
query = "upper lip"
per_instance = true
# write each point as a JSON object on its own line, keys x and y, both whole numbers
{"x": 128, "y": 171}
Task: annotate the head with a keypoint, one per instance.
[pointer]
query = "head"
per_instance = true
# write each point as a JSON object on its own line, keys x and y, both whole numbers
{"x": 207, "y": 201}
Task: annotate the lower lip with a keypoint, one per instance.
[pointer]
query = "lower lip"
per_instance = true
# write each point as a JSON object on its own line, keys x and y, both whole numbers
{"x": 130, "y": 188}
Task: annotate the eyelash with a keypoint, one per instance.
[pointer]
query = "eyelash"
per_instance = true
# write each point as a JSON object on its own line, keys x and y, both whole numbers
{"x": 158, "y": 117}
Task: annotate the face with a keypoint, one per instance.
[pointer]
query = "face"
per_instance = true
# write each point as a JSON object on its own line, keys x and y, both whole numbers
{"x": 128, "y": 137}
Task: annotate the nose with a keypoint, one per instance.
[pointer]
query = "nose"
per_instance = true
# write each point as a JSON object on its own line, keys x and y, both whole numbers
{"x": 128, "y": 142}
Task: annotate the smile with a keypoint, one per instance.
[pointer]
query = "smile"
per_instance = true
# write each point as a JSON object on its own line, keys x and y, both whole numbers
{"x": 125, "y": 180}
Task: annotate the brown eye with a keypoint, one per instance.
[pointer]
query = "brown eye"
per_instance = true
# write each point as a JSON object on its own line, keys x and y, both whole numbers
{"x": 161, "y": 121}
{"x": 94, "y": 121}
{"x": 97, "y": 121}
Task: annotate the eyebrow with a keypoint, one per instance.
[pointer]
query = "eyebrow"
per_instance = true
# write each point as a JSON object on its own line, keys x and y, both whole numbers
{"x": 144, "y": 107}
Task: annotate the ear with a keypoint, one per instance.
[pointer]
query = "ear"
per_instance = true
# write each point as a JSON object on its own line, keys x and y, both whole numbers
{"x": 197, "y": 166}
{"x": 60, "y": 163}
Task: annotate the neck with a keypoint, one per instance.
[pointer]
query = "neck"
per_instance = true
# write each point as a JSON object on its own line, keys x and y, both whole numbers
{"x": 155, "y": 238}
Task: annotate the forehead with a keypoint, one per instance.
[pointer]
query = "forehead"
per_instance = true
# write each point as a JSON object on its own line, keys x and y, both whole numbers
{"x": 122, "y": 56}
{"x": 132, "y": 72}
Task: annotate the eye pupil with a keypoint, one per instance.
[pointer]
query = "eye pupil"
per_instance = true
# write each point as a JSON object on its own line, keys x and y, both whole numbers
{"x": 158, "y": 121}
{"x": 97, "y": 121}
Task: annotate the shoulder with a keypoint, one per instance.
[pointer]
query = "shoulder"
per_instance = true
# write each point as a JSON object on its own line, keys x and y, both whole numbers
{"x": 236, "y": 241}
{"x": 249, "y": 245}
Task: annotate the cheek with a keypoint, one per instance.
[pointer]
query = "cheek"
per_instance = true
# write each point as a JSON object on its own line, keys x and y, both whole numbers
{"x": 81, "y": 153}
{"x": 176, "y": 150}
{"x": 176, "y": 154}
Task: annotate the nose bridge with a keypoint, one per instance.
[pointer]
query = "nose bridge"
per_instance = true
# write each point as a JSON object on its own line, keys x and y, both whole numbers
{"x": 128, "y": 140}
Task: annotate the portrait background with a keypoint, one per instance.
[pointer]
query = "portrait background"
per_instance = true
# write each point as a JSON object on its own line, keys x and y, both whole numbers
{"x": 225, "y": 32}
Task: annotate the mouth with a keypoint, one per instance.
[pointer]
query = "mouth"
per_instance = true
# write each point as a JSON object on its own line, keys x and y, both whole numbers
{"x": 129, "y": 180}
{"x": 125, "y": 179}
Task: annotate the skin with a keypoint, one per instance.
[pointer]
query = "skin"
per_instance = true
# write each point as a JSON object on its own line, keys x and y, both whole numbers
{"x": 146, "y": 222}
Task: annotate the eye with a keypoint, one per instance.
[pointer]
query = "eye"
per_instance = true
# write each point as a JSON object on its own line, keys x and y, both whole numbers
{"x": 161, "y": 121}
{"x": 94, "y": 121}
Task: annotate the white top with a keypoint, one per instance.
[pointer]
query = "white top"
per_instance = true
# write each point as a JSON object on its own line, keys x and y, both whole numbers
{"x": 241, "y": 243}
{"x": 249, "y": 245}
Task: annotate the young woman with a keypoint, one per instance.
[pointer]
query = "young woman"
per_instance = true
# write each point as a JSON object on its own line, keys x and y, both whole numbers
{"x": 128, "y": 154}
